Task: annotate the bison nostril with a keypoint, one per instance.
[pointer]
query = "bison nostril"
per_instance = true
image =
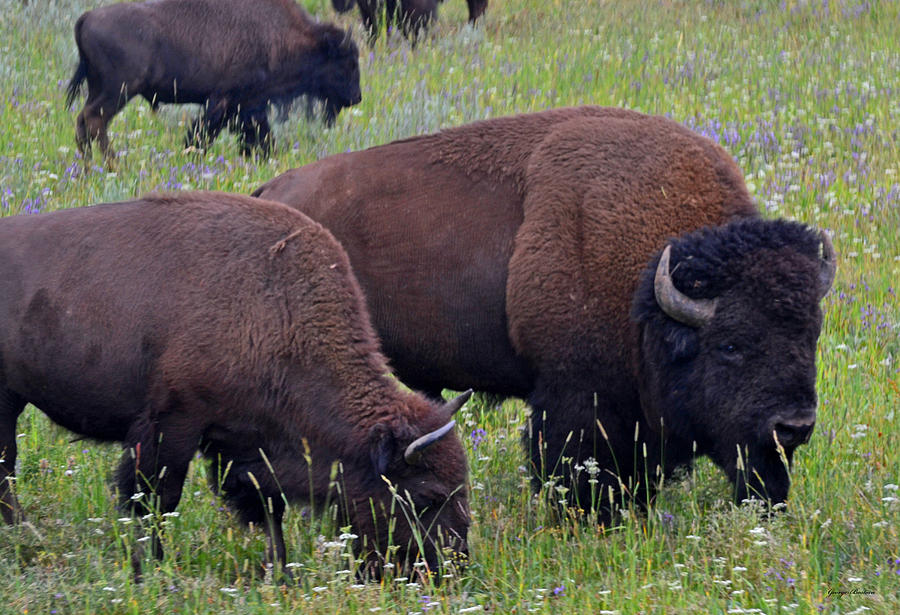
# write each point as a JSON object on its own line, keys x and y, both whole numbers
{"x": 793, "y": 433}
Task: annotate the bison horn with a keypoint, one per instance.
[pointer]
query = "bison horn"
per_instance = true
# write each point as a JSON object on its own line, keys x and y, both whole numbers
{"x": 414, "y": 450}
{"x": 452, "y": 407}
{"x": 827, "y": 266}
{"x": 693, "y": 312}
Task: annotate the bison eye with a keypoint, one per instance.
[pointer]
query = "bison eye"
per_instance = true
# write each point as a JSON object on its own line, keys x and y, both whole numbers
{"x": 729, "y": 351}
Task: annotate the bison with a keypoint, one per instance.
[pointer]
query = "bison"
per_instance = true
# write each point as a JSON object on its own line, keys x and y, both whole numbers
{"x": 233, "y": 326}
{"x": 523, "y": 254}
{"x": 230, "y": 56}
{"x": 413, "y": 16}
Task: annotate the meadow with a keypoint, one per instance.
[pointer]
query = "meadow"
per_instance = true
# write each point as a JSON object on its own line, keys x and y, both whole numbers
{"x": 804, "y": 94}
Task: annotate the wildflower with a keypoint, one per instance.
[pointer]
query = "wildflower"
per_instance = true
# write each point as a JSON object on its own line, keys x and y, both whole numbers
{"x": 559, "y": 591}
{"x": 477, "y": 437}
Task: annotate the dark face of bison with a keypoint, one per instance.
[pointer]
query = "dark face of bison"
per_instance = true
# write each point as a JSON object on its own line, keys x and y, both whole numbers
{"x": 416, "y": 498}
{"x": 729, "y": 319}
{"x": 336, "y": 72}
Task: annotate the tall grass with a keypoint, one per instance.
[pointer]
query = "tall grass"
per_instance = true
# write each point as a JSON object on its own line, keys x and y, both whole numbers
{"x": 803, "y": 93}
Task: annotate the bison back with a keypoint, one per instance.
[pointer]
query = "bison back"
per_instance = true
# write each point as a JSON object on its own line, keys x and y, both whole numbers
{"x": 104, "y": 307}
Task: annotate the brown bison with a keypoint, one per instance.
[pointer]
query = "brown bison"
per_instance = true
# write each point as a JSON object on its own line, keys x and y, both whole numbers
{"x": 523, "y": 255}
{"x": 413, "y": 16}
{"x": 233, "y": 326}
{"x": 230, "y": 56}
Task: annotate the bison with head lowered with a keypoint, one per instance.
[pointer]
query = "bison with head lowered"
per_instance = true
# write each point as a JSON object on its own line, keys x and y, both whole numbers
{"x": 230, "y": 56}
{"x": 525, "y": 255}
{"x": 235, "y": 327}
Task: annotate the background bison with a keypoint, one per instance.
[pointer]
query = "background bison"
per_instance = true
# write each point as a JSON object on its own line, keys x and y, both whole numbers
{"x": 230, "y": 325}
{"x": 413, "y": 16}
{"x": 233, "y": 57}
{"x": 519, "y": 256}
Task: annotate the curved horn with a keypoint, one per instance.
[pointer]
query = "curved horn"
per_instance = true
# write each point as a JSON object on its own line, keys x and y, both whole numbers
{"x": 828, "y": 266}
{"x": 452, "y": 407}
{"x": 414, "y": 450}
{"x": 693, "y": 312}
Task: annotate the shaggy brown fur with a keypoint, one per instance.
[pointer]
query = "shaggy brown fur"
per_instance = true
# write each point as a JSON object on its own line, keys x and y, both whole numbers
{"x": 504, "y": 255}
{"x": 232, "y": 56}
{"x": 230, "y": 324}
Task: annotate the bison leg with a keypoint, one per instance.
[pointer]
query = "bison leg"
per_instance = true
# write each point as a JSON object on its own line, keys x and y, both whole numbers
{"x": 369, "y": 10}
{"x": 476, "y": 9}
{"x": 563, "y": 435}
{"x": 207, "y": 126}
{"x": 255, "y": 132}
{"x": 11, "y": 406}
{"x": 249, "y": 490}
{"x": 153, "y": 469}
{"x": 92, "y": 122}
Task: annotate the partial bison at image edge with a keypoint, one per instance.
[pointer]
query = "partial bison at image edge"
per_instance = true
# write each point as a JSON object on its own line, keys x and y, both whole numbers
{"x": 232, "y": 326}
{"x": 539, "y": 228}
{"x": 230, "y": 56}
{"x": 411, "y": 16}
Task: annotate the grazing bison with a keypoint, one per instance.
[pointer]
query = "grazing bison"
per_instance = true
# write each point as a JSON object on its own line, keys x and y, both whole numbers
{"x": 231, "y": 325}
{"x": 233, "y": 57}
{"x": 413, "y": 16}
{"x": 515, "y": 249}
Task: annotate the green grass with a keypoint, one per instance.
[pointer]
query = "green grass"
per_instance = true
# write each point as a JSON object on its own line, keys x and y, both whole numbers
{"x": 805, "y": 98}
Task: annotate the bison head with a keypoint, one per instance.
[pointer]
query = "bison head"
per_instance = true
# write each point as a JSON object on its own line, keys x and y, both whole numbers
{"x": 728, "y": 321}
{"x": 336, "y": 69}
{"x": 414, "y": 497}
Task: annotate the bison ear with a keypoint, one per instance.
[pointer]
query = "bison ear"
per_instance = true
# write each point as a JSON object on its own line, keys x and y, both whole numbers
{"x": 334, "y": 43}
{"x": 382, "y": 448}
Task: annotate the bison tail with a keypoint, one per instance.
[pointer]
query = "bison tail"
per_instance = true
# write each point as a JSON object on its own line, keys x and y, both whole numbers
{"x": 75, "y": 82}
{"x": 342, "y": 6}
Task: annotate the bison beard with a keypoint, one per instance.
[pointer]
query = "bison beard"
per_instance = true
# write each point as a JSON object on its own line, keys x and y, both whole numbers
{"x": 231, "y": 57}
{"x": 538, "y": 227}
{"x": 232, "y": 325}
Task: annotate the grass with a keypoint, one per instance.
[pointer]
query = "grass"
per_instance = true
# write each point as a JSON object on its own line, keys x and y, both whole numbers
{"x": 803, "y": 93}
